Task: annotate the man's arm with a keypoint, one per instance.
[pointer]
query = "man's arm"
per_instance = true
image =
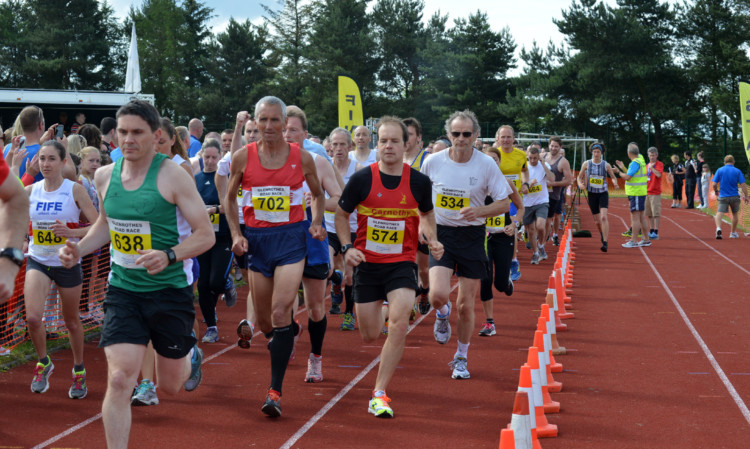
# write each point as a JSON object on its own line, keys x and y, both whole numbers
{"x": 179, "y": 188}
{"x": 525, "y": 180}
{"x": 239, "y": 161}
{"x": 567, "y": 175}
{"x": 14, "y": 221}
{"x": 327, "y": 176}
{"x": 242, "y": 118}
{"x": 428, "y": 228}
{"x": 318, "y": 197}
{"x": 656, "y": 172}
{"x": 582, "y": 175}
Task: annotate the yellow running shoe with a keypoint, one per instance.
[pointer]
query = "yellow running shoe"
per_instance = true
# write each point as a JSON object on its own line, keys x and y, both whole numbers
{"x": 380, "y": 408}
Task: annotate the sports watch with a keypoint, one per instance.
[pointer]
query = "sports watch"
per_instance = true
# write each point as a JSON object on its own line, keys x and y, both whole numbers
{"x": 171, "y": 257}
{"x": 14, "y": 254}
{"x": 346, "y": 248}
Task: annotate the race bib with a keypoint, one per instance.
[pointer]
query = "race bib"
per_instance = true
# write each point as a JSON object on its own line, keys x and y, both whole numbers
{"x": 536, "y": 188}
{"x": 495, "y": 224}
{"x": 46, "y": 242}
{"x": 596, "y": 180}
{"x": 239, "y": 194}
{"x": 272, "y": 203}
{"x": 385, "y": 236}
{"x": 215, "y": 221}
{"x": 450, "y": 201}
{"x": 128, "y": 236}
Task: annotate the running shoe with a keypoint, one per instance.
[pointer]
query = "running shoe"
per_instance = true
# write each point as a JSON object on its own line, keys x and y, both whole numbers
{"x": 335, "y": 307}
{"x": 296, "y": 339}
{"x": 487, "y": 330}
{"x": 245, "y": 334}
{"x": 604, "y": 247}
{"x": 78, "y": 390}
{"x": 542, "y": 253}
{"x": 654, "y": 236}
{"x": 40, "y": 383}
{"x": 384, "y": 330}
{"x": 442, "y": 328}
{"x": 337, "y": 296}
{"x": 515, "y": 270}
{"x": 734, "y": 235}
{"x": 535, "y": 259}
{"x": 380, "y": 408}
{"x": 272, "y": 405}
{"x": 230, "y": 293}
{"x": 196, "y": 372}
{"x": 628, "y": 233}
{"x": 718, "y": 234}
{"x": 645, "y": 243}
{"x": 314, "y": 369}
{"x": 556, "y": 240}
{"x": 509, "y": 288}
{"x": 413, "y": 314}
{"x": 424, "y": 301}
{"x": 630, "y": 244}
{"x": 459, "y": 368}
{"x": 211, "y": 336}
{"x": 144, "y": 394}
{"x": 348, "y": 323}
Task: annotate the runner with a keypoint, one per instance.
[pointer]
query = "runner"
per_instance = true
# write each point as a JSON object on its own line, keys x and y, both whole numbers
{"x": 148, "y": 207}
{"x": 536, "y": 204}
{"x": 216, "y": 262}
{"x": 341, "y": 142}
{"x": 501, "y": 242}
{"x": 593, "y": 179}
{"x": 414, "y": 156}
{"x": 461, "y": 179}
{"x": 362, "y": 152}
{"x": 55, "y": 204}
{"x": 729, "y": 185}
{"x": 513, "y": 166}
{"x": 271, "y": 173}
{"x": 317, "y": 264}
{"x": 390, "y": 198}
{"x": 560, "y": 166}
{"x": 14, "y": 216}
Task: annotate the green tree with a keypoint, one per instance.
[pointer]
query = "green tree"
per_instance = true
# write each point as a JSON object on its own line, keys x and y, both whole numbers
{"x": 239, "y": 72}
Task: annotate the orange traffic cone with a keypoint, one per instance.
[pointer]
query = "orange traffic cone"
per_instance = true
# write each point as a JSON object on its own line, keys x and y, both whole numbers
{"x": 561, "y": 296}
{"x": 520, "y": 422}
{"x": 533, "y": 360}
{"x": 542, "y": 325}
{"x": 526, "y": 385}
{"x": 507, "y": 440}
{"x": 544, "y": 362}
{"x": 552, "y": 331}
{"x": 554, "y": 304}
{"x": 543, "y": 428}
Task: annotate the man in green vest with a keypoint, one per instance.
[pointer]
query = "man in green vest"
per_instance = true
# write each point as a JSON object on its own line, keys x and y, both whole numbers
{"x": 635, "y": 189}
{"x": 153, "y": 215}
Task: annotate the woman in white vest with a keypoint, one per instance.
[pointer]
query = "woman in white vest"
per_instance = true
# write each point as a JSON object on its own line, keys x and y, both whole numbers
{"x": 56, "y": 204}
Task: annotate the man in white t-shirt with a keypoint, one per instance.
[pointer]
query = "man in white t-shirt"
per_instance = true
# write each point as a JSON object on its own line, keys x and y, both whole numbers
{"x": 462, "y": 178}
{"x": 536, "y": 204}
{"x": 362, "y": 152}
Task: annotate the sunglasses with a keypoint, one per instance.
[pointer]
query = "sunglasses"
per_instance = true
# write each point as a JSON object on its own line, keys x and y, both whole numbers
{"x": 465, "y": 133}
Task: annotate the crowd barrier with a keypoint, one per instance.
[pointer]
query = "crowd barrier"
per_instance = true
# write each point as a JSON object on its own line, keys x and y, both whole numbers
{"x": 13, "y": 330}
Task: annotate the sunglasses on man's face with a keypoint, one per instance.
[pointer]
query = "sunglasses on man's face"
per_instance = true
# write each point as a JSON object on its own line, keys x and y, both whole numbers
{"x": 466, "y": 134}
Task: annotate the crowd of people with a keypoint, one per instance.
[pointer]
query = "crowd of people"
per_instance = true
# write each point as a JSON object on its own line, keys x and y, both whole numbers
{"x": 383, "y": 226}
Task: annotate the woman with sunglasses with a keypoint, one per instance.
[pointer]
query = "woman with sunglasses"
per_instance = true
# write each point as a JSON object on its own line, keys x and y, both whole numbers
{"x": 56, "y": 204}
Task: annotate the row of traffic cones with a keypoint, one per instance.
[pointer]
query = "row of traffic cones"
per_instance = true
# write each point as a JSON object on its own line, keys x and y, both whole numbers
{"x": 533, "y": 401}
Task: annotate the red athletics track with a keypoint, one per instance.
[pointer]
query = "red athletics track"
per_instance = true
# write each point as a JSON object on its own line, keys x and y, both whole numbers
{"x": 636, "y": 376}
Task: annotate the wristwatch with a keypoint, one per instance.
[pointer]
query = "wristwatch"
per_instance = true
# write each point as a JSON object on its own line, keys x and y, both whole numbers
{"x": 346, "y": 248}
{"x": 171, "y": 257}
{"x": 14, "y": 254}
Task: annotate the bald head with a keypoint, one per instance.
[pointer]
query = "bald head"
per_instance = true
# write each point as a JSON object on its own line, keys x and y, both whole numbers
{"x": 195, "y": 126}
{"x": 362, "y": 137}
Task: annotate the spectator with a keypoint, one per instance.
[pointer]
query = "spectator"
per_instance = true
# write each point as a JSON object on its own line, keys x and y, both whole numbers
{"x": 80, "y": 121}
{"x": 195, "y": 127}
{"x": 705, "y": 183}
{"x": 676, "y": 176}
{"x": 691, "y": 174}
{"x": 699, "y": 178}
{"x": 636, "y": 190}
{"x": 728, "y": 181}
{"x": 654, "y": 171}
{"x": 92, "y": 135}
{"x": 76, "y": 143}
{"x": 108, "y": 127}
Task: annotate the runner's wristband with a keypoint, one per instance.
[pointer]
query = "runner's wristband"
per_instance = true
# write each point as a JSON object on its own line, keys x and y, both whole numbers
{"x": 171, "y": 257}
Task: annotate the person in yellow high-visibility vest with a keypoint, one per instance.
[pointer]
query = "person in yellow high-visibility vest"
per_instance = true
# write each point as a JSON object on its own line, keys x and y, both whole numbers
{"x": 635, "y": 189}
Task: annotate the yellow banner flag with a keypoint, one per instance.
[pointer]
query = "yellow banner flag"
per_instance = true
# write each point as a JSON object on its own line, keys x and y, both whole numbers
{"x": 745, "y": 108}
{"x": 350, "y": 104}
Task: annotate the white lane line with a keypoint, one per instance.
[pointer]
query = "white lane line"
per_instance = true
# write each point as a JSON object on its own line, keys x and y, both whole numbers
{"x": 98, "y": 416}
{"x": 708, "y": 246}
{"x": 326, "y": 408}
{"x": 62, "y": 435}
{"x": 720, "y": 372}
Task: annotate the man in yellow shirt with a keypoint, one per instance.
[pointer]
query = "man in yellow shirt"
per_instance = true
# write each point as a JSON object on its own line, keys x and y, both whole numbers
{"x": 513, "y": 165}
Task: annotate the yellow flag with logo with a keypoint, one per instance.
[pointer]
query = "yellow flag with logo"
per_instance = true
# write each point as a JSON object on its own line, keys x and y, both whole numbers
{"x": 745, "y": 108}
{"x": 350, "y": 104}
